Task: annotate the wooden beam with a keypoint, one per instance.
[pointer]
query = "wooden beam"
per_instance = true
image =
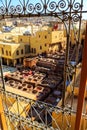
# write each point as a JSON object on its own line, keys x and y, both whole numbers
{"x": 82, "y": 85}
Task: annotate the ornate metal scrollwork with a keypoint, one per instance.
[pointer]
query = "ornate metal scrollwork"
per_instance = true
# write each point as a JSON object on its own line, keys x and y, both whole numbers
{"x": 75, "y": 17}
{"x": 30, "y": 8}
{"x": 38, "y": 8}
{"x": 62, "y": 5}
{"x": 65, "y": 17}
{"x": 52, "y": 6}
{"x": 12, "y": 10}
{"x": 76, "y": 6}
{"x": 19, "y": 9}
{"x": 2, "y": 10}
{"x": 63, "y": 8}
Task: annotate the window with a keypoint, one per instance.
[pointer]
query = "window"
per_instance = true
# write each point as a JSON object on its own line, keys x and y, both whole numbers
{"x": 20, "y": 40}
{"x": 45, "y": 37}
{"x": 45, "y": 44}
{"x": 9, "y": 53}
{"x": 40, "y": 47}
{"x": 27, "y": 49}
{"x": 31, "y": 50}
{"x": 34, "y": 50}
{"x": 21, "y": 51}
{"x": 17, "y": 52}
{"x": 2, "y": 51}
{"x": 6, "y": 52}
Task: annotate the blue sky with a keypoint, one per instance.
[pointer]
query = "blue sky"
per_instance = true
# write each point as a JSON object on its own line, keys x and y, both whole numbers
{"x": 16, "y": 2}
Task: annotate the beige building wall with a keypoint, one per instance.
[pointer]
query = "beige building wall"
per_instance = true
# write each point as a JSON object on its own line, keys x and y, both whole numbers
{"x": 15, "y": 47}
{"x": 57, "y": 36}
{"x": 47, "y": 40}
{"x": 24, "y": 39}
{"x": 13, "y": 53}
{"x": 40, "y": 42}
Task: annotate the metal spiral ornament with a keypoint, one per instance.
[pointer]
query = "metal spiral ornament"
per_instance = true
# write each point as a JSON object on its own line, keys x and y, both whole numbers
{"x": 30, "y": 8}
{"x": 19, "y": 9}
{"x": 65, "y": 17}
{"x": 52, "y": 6}
{"x": 75, "y": 17}
{"x": 62, "y": 5}
{"x": 2, "y": 10}
{"x": 76, "y": 6}
{"x": 38, "y": 8}
{"x": 12, "y": 9}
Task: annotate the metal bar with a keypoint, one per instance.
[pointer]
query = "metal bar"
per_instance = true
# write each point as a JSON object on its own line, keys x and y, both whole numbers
{"x": 36, "y": 15}
{"x": 2, "y": 116}
{"x": 24, "y": 5}
{"x": 45, "y": 5}
{"x": 6, "y": 3}
{"x": 79, "y": 32}
{"x": 66, "y": 58}
{"x": 1, "y": 67}
{"x": 82, "y": 85}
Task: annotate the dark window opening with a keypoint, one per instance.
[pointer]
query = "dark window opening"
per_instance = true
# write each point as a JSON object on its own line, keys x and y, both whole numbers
{"x": 45, "y": 37}
{"x": 6, "y": 52}
{"x": 40, "y": 47}
{"x": 45, "y": 44}
{"x": 2, "y": 51}
{"x": 27, "y": 49}
{"x": 31, "y": 50}
{"x": 9, "y": 53}
{"x": 17, "y": 52}
{"x": 21, "y": 40}
{"x": 34, "y": 50}
{"x": 22, "y": 51}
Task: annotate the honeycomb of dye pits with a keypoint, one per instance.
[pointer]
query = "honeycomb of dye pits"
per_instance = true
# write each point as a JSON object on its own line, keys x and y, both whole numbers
{"x": 20, "y": 86}
{"x": 39, "y": 88}
{"x": 20, "y": 75}
{"x": 37, "y": 77}
{"x": 26, "y": 87}
{"x": 27, "y": 72}
{"x": 12, "y": 83}
{"x": 34, "y": 92}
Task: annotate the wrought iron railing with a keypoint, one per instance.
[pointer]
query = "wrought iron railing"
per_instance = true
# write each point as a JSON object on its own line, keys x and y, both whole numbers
{"x": 69, "y": 12}
{"x": 65, "y": 9}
